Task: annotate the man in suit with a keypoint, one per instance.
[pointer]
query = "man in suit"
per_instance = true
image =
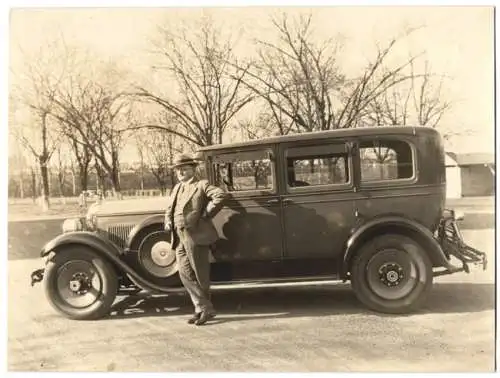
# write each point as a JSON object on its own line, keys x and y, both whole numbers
{"x": 191, "y": 206}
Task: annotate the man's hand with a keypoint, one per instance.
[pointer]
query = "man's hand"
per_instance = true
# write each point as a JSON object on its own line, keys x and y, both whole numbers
{"x": 168, "y": 227}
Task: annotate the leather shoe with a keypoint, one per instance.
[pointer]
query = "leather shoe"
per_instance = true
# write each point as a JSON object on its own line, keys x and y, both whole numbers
{"x": 204, "y": 317}
{"x": 194, "y": 318}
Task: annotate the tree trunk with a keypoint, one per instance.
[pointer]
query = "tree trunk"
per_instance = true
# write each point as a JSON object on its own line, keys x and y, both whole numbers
{"x": 141, "y": 156}
{"x": 45, "y": 186}
{"x": 84, "y": 182}
{"x": 100, "y": 178}
{"x": 332, "y": 165}
{"x": 311, "y": 166}
{"x": 142, "y": 177}
{"x": 73, "y": 182}
{"x": 60, "y": 180}
{"x": 33, "y": 185}
{"x": 84, "y": 176}
{"x": 21, "y": 184}
{"x": 115, "y": 182}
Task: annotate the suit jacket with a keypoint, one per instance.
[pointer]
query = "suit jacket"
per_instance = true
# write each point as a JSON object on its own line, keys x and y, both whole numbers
{"x": 200, "y": 204}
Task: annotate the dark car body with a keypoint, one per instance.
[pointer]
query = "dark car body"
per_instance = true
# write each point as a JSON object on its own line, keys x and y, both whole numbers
{"x": 300, "y": 207}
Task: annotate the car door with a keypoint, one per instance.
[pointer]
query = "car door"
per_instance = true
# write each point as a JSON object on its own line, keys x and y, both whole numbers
{"x": 318, "y": 199}
{"x": 249, "y": 224}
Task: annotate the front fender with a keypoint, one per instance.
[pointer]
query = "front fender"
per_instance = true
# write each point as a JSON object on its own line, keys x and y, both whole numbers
{"x": 155, "y": 219}
{"x": 90, "y": 239}
{"x": 394, "y": 224}
{"x": 108, "y": 249}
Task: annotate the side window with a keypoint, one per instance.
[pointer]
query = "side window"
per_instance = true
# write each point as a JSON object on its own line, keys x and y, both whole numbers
{"x": 201, "y": 170}
{"x": 317, "y": 166}
{"x": 383, "y": 160}
{"x": 244, "y": 171}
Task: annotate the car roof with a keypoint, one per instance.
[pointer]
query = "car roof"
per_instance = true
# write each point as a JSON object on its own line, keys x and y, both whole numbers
{"x": 337, "y": 133}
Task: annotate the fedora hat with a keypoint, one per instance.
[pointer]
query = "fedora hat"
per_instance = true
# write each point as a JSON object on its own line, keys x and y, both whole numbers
{"x": 184, "y": 159}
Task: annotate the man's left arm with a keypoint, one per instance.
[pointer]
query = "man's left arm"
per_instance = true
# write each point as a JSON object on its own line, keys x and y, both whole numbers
{"x": 216, "y": 198}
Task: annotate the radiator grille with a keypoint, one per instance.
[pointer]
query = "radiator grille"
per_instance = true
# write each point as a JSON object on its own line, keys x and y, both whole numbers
{"x": 118, "y": 234}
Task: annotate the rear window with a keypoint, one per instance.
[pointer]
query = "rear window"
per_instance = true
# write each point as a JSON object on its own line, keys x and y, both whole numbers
{"x": 385, "y": 160}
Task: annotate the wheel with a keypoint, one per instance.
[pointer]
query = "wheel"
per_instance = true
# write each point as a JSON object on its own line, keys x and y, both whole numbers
{"x": 156, "y": 255}
{"x": 80, "y": 284}
{"x": 155, "y": 259}
{"x": 391, "y": 274}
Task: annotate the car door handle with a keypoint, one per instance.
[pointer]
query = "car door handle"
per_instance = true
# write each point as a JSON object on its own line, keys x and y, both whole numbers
{"x": 273, "y": 201}
{"x": 287, "y": 200}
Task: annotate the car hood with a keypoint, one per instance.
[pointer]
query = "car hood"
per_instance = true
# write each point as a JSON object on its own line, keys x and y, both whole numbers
{"x": 130, "y": 206}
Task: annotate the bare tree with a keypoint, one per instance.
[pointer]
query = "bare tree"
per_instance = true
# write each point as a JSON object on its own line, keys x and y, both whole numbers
{"x": 140, "y": 147}
{"x": 93, "y": 116}
{"x": 158, "y": 148}
{"x": 73, "y": 171}
{"x": 264, "y": 125}
{"x": 419, "y": 102}
{"x": 206, "y": 90}
{"x": 61, "y": 168}
{"x": 428, "y": 99}
{"x": 32, "y": 96}
{"x": 82, "y": 157}
{"x": 304, "y": 81}
{"x": 18, "y": 166}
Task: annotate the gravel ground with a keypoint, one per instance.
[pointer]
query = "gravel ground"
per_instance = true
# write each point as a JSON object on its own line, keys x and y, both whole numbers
{"x": 289, "y": 328}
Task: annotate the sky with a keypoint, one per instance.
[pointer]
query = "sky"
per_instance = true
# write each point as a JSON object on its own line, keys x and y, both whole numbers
{"x": 458, "y": 42}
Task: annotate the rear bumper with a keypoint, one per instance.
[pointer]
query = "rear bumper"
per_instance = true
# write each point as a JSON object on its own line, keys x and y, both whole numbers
{"x": 451, "y": 240}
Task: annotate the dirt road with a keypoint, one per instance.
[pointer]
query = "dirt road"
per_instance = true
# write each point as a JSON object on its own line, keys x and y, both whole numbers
{"x": 302, "y": 328}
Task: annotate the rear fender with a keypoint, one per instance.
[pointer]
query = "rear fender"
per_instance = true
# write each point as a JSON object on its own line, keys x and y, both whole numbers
{"x": 107, "y": 249}
{"x": 394, "y": 224}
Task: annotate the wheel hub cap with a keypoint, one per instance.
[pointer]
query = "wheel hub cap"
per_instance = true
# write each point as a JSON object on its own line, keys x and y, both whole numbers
{"x": 80, "y": 283}
{"x": 391, "y": 274}
{"x": 161, "y": 254}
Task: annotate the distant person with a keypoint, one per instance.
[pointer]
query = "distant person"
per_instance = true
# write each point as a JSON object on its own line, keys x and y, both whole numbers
{"x": 192, "y": 203}
{"x": 82, "y": 201}
{"x": 100, "y": 196}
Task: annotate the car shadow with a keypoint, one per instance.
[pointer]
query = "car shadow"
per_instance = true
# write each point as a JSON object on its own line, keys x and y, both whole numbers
{"x": 299, "y": 301}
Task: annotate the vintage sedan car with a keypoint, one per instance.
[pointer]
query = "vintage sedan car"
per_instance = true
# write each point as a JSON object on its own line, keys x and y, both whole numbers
{"x": 362, "y": 205}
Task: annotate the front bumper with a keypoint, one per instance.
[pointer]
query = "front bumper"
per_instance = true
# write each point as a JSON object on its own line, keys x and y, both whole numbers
{"x": 37, "y": 276}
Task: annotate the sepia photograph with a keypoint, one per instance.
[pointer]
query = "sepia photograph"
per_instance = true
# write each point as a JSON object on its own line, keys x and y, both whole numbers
{"x": 245, "y": 188}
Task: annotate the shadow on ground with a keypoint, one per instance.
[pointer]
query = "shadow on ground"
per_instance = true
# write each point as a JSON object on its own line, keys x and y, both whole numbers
{"x": 285, "y": 302}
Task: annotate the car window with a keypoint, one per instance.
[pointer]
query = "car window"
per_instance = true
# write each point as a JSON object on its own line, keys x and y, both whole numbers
{"x": 244, "y": 171}
{"x": 201, "y": 171}
{"x": 317, "y": 166}
{"x": 383, "y": 160}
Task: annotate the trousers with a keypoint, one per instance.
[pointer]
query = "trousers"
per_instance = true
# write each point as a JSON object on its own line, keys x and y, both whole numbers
{"x": 194, "y": 270}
